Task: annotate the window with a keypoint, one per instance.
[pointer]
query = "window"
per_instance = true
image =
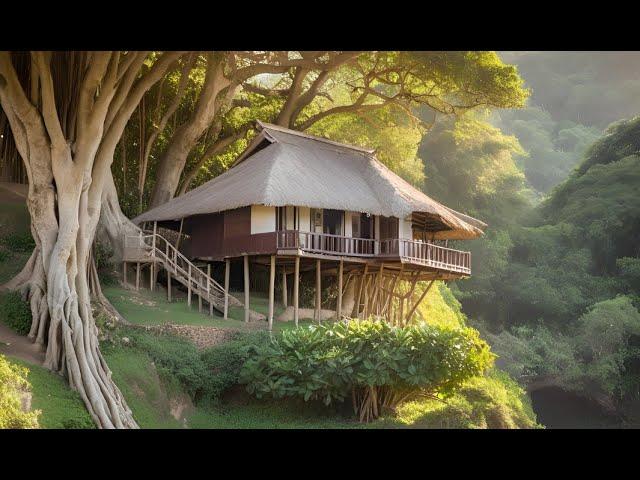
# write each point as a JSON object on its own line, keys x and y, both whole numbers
{"x": 316, "y": 220}
{"x": 287, "y": 218}
{"x": 332, "y": 221}
{"x": 355, "y": 225}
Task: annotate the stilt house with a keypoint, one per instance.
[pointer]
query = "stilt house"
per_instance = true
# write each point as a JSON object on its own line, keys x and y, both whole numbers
{"x": 295, "y": 202}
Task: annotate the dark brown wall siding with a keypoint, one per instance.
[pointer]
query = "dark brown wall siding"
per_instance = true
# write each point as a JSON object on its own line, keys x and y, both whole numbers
{"x": 237, "y": 223}
{"x": 207, "y": 234}
{"x": 226, "y": 234}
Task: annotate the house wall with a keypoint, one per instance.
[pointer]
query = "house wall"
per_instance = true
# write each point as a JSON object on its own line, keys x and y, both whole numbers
{"x": 404, "y": 228}
{"x": 263, "y": 219}
{"x": 305, "y": 218}
{"x": 348, "y": 226}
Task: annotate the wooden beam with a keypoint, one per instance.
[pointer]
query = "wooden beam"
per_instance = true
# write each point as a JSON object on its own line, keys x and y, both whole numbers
{"x": 284, "y": 288}
{"x": 415, "y": 305}
{"x": 296, "y": 288}
{"x": 318, "y": 290}
{"x": 246, "y": 287}
{"x": 360, "y": 290}
{"x": 272, "y": 285}
{"x": 339, "y": 306}
{"x": 137, "y": 275}
{"x": 179, "y": 234}
{"x": 169, "y": 285}
{"x": 227, "y": 269}
{"x": 124, "y": 273}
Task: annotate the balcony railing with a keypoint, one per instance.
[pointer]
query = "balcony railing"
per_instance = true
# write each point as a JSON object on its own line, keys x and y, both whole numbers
{"x": 422, "y": 253}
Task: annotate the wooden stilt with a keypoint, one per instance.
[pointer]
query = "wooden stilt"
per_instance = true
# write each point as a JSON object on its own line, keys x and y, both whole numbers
{"x": 364, "y": 275}
{"x": 124, "y": 273}
{"x": 365, "y": 309}
{"x": 137, "y": 275}
{"x": 296, "y": 285}
{"x": 209, "y": 289}
{"x": 227, "y": 268}
{"x": 151, "y": 282}
{"x": 246, "y": 287}
{"x": 272, "y": 285}
{"x": 392, "y": 289}
{"x": 153, "y": 254}
{"x": 189, "y": 287}
{"x": 318, "y": 291}
{"x": 284, "y": 288}
{"x": 168, "y": 285}
{"x": 375, "y": 304}
{"x": 339, "y": 305}
{"x": 415, "y": 305}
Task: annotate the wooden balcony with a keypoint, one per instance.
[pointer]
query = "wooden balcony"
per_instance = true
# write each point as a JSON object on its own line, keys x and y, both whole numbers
{"x": 411, "y": 251}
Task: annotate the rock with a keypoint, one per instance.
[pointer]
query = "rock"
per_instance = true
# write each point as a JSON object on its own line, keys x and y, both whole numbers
{"x": 126, "y": 340}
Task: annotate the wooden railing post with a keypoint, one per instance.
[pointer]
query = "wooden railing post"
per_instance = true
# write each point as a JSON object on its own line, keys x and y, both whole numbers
{"x": 189, "y": 287}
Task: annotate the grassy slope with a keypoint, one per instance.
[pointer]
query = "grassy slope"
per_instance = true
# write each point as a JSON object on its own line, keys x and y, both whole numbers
{"x": 61, "y": 407}
{"x": 152, "y": 308}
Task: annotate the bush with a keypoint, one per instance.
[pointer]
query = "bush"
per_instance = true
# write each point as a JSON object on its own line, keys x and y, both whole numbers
{"x": 15, "y": 312}
{"x": 224, "y": 362}
{"x": 13, "y": 382}
{"x": 173, "y": 356}
{"x": 19, "y": 242}
{"x": 376, "y": 365}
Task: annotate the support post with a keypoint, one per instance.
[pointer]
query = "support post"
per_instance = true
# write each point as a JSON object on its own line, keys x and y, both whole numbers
{"x": 296, "y": 284}
{"x": 318, "y": 291}
{"x": 151, "y": 267}
{"x": 272, "y": 285}
{"x": 284, "y": 288}
{"x": 137, "y": 276}
{"x": 227, "y": 268}
{"x": 124, "y": 273}
{"x": 339, "y": 306}
{"x": 246, "y": 287}
{"x": 189, "y": 287}
{"x": 169, "y": 285}
{"x": 209, "y": 289}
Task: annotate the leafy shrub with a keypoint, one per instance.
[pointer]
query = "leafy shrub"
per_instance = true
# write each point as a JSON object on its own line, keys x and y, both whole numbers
{"x": 173, "y": 356}
{"x": 19, "y": 242}
{"x": 376, "y": 365}
{"x": 3, "y": 255}
{"x": 13, "y": 382}
{"x": 224, "y": 362}
{"x": 15, "y": 312}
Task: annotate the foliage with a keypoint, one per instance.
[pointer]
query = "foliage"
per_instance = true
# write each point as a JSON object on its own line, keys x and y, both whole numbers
{"x": 15, "y": 312}
{"x": 173, "y": 357}
{"x": 493, "y": 400}
{"x": 601, "y": 355}
{"x": 13, "y": 383}
{"x": 377, "y": 364}
{"x": 19, "y": 242}
{"x": 61, "y": 406}
{"x": 553, "y": 148}
{"x": 224, "y": 362}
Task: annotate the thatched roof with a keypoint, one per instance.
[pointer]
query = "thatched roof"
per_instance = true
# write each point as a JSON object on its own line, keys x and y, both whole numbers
{"x": 285, "y": 167}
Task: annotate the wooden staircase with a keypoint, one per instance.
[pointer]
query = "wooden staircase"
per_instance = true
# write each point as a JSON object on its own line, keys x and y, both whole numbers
{"x": 154, "y": 249}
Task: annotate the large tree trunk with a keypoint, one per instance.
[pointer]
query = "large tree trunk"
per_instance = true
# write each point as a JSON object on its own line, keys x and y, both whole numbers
{"x": 214, "y": 97}
{"x": 68, "y": 154}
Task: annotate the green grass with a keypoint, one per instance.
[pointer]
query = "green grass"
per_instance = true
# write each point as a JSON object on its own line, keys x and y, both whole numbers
{"x": 152, "y": 308}
{"x": 14, "y": 219}
{"x": 141, "y": 386}
{"x": 61, "y": 407}
{"x": 269, "y": 414}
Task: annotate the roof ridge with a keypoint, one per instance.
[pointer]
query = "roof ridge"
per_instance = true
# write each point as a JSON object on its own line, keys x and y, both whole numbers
{"x": 278, "y": 128}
